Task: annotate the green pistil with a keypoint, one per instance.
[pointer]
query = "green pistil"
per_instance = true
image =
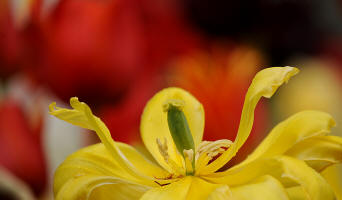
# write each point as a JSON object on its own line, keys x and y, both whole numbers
{"x": 179, "y": 127}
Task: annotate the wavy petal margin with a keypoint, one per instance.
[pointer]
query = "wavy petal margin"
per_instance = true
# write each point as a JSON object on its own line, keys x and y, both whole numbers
{"x": 297, "y": 128}
{"x": 264, "y": 84}
{"x": 289, "y": 171}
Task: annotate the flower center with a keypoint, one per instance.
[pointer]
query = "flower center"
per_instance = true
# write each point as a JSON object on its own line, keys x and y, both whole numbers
{"x": 194, "y": 160}
{"x": 207, "y": 152}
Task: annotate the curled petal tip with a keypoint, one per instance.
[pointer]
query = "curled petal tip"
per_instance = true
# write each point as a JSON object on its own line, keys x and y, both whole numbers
{"x": 267, "y": 81}
{"x": 52, "y": 107}
{"x": 74, "y": 101}
{"x": 291, "y": 72}
{"x": 77, "y": 105}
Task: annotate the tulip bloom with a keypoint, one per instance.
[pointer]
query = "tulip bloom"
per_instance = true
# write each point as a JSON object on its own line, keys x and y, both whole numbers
{"x": 286, "y": 165}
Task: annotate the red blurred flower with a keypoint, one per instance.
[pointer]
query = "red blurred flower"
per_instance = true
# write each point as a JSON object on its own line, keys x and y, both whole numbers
{"x": 9, "y": 40}
{"x": 112, "y": 52}
{"x": 16, "y": 34}
{"x": 96, "y": 49}
{"x": 20, "y": 146}
{"x": 90, "y": 48}
{"x": 108, "y": 52}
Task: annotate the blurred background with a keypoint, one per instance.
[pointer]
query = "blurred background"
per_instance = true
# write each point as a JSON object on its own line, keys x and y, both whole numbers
{"x": 115, "y": 54}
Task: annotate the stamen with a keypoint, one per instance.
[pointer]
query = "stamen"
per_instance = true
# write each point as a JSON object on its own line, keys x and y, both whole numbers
{"x": 163, "y": 149}
{"x": 207, "y": 151}
{"x": 201, "y": 162}
{"x": 189, "y": 161}
{"x": 206, "y": 146}
{"x": 189, "y": 153}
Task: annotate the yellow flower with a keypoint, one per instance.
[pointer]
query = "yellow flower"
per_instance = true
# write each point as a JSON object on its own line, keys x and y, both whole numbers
{"x": 286, "y": 165}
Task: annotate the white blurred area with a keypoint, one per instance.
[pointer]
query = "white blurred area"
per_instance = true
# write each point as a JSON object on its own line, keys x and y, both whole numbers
{"x": 14, "y": 185}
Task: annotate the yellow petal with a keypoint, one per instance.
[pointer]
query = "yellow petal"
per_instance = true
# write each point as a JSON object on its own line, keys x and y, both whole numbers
{"x": 264, "y": 84}
{"x": 95, "y": 160}
{"x": 289, "y": 171}
{"x": 297, "y": 193}
{"x": 154, "y": 123}
{"x": 291, "y": 131}
{"x": 141, "y": 163}
{"x": 82, "y": 188}
{"x": 82, "y": 116}
{"x": 333, "y": 175}
{"x": 318, "y": 152}
{"x": 92, "y": 160}
{"x": 177, "y": 190}
{"x": 189, "y": 188}
{"x": 201, "y": 189}
{"x": 263, "y": 188}
{"x": 117, "y": 191}
{"x": 221, "y": 193}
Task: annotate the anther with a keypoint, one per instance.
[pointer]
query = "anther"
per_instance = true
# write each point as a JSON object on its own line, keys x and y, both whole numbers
{"x": 189, "y": 161}
{"x": 163, "y": 149}
{"x": 189, "y": 154}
